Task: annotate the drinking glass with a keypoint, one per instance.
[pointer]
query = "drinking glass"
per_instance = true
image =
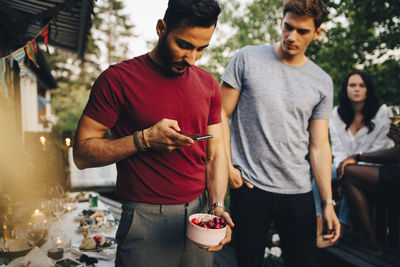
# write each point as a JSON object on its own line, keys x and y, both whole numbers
{"x": 34, "y": 232}
{"x": 57, "y": 206}
{"x": 54, "y": 190}
{"x": 394, "y": 114}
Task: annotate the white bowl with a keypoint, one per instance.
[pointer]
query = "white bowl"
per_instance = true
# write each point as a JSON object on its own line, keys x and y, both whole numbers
{"x": 206, "y": 237}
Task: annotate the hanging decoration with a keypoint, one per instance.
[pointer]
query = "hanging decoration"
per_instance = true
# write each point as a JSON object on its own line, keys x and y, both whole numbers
{"x": 3, "y": 85}
{"x": 19, "y": 56}
{"x": 29, "y": 49}
{"x": 45, "y": 34}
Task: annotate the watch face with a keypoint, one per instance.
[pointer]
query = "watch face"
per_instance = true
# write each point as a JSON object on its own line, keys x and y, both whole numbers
{"x": 329, "y": 201}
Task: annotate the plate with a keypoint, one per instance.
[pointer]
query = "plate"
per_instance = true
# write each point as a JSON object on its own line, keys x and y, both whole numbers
{"x": 19, "y": 248}
{"x": 96, "y": 220}
{"x": 98, "y": 249}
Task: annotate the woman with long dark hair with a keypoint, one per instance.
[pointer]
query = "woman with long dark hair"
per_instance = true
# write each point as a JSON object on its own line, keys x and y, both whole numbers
{"x": 364, "y": 183}
{"x": 359, "y": 124}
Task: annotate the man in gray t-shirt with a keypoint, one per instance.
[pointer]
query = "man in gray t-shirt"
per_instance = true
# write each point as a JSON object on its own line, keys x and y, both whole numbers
{"x": 279, "y": 102}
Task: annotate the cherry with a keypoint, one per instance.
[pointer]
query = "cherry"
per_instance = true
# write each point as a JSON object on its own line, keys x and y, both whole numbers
{"x": 195, "y": 221}
{"x": 218, "y": 226}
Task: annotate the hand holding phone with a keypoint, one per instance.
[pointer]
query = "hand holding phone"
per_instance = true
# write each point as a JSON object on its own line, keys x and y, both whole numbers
{"x": 197, "y": 137}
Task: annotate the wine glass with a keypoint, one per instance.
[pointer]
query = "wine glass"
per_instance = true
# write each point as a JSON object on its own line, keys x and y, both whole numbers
{"x": 394, "y": 114}
{"x": 34, "y": 231}
{"x": 57, "y": 206}
{"x": 54, "y": 190}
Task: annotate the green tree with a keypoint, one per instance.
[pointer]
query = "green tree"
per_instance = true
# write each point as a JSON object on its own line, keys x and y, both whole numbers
{"x": 107, "y": 44}
{"x": 363, "y": 35}
{"x": 238, "y": 26}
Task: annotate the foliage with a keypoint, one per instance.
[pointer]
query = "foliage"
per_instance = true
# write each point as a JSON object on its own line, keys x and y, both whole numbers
{"x": 69, "y": 104}
{"x": 107, "y": 44}
{"x": 256, "y": 24}
{"x": 363, "y": 35}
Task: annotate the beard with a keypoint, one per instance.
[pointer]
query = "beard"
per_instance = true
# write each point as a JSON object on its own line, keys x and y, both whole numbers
{"x": 167, "y": 58}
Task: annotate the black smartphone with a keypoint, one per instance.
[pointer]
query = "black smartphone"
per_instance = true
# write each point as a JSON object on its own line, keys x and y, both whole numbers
{"x": 198, "y": 137}
{"x": 68, "y": 263}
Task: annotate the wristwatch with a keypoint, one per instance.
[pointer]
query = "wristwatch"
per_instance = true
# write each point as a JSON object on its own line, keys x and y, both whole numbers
{"x": 329, "y": 201}
{"x": 358, "y": 157}
{"x": 214, "y": 205}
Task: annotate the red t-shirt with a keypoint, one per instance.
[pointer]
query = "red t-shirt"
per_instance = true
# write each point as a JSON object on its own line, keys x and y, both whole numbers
{"x": 134, "y": 95}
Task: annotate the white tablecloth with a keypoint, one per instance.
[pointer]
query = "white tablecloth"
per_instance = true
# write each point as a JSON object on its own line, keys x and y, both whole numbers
{"x": 70, "y": 224}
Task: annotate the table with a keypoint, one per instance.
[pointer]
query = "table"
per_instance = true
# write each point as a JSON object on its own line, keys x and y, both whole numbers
{"x": 70, "y": 223}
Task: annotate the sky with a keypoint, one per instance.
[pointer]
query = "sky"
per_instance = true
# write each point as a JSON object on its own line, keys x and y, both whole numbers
{"x": 144, "y": 15}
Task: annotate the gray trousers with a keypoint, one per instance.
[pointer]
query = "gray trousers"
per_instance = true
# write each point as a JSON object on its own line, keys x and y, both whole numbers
{"x": 155, "y": 235}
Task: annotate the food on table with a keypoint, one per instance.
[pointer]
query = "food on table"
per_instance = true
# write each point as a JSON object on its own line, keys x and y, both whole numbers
{"x": 95, "y": 219}
{"x": 88, "y": 242}
{"x": 77, "y": 197}
{"x": 95, "y": 242}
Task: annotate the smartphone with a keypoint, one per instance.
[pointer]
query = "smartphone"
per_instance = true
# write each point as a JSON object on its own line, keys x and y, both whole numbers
{"x": 68, "y": 263}
{"x": 198, "y": 137}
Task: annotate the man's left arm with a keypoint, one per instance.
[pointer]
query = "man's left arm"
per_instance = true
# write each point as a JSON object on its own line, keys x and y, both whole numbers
{"x": 217, "y": 177}
{"x": 321, "y": 164}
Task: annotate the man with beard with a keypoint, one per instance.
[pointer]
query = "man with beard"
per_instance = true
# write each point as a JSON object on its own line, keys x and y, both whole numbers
{"x": 148, "y": 102}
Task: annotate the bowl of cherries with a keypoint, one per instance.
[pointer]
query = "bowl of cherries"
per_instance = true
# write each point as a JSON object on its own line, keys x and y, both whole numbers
{"x": 205, "y": 229}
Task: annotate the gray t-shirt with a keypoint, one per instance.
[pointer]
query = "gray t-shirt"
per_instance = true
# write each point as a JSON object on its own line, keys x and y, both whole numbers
{"x": 269, "y": 127}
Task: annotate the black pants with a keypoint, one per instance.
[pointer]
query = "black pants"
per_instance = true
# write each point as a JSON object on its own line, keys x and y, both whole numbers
{"x": 293, "y": 216}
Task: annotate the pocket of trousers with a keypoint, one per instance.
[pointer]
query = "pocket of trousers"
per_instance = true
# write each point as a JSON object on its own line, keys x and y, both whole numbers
{"x": 124, "y": 225}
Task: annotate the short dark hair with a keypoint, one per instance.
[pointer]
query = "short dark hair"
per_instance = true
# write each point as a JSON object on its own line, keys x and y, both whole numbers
{"x": 371, "y": 105}
{"x": 201, "y": 13}
{"x": 315, "y": 9}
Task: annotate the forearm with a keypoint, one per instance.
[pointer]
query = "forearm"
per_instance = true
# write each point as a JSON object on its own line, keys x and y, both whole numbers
{"x": 97, "y": 152}
{"x": 321, "y": 165}
{"x": 217, "y": 177}
{"x": 384, "y": 156}
{"x": 227, "y": 139}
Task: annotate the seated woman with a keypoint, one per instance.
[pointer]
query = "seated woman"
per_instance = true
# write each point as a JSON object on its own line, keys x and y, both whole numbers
{"x": 380, "y": 182}
{"x": 357, "y": 125}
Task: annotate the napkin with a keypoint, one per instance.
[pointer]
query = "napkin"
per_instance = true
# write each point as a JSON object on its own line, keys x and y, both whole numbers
{"x": 36, "y": 258}
{"x": 105, "y": 254}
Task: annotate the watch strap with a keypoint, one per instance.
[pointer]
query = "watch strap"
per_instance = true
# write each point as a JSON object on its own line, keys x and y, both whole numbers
{"x": 215, "y": 205}
{"x": 328, "y": 201}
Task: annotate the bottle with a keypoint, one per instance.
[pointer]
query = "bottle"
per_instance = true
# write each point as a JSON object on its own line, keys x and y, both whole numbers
{"x": 8, "y": 223}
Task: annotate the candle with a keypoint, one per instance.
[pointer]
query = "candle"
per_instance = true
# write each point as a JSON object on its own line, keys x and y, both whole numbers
{"x": 59, "y": 240}
{"x": 55, "y": 253}
{"x": 38, "y": 217}
{"x": 68, "y": 207}
{"x": 42, "y": 140}
{"x": 68, "y": 141}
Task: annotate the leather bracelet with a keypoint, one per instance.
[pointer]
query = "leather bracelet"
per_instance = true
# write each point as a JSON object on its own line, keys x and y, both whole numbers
{"x": 329, "y": 201}
{"x": 358, "y": 157}
{"x": 137, "y": 144}
{"x": 144, "y": 141}
{"x": 215, "y": 205}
